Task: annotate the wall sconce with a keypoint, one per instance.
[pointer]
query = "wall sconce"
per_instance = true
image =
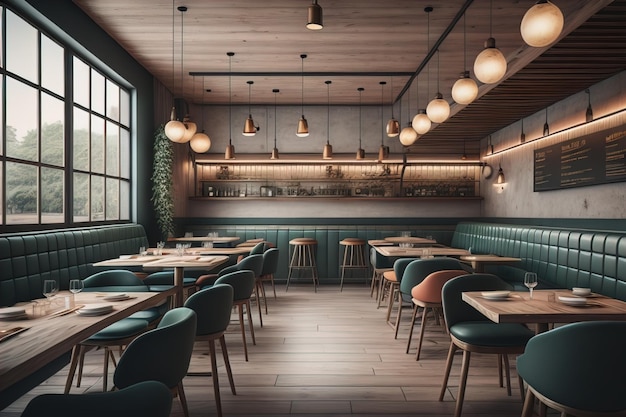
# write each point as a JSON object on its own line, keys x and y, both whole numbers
{"x": 500, "y": 183}
{"x": 522, "y": 136}
{"x": 546, "y": 126}
{"x": 589, "y": 113}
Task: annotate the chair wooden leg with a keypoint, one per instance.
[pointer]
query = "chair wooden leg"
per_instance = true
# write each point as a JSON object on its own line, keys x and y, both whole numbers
{"x": 105, "y": 368}
{"x": 243, "y": 331}
{"x": 216, "y": 383}
{"x": 258, "y": 302}
{"x": 462, "y": 383}
{"x": 73, "y": 363}
{"x": 396, "y": 326}
{"x": 522, "y": 392}
{"x": 183, "y": 399}
{"x": 529, "y": 404}
{"x": 229, "y": 372}
{"x": 413, "y": 317}
{"x": 381, "y": 291}
{"x": 273, "y": 286}
{"x": 500, "y": 380}
{"x": 392, "y": 297}
{"x": 250, "y": 321}
{"x": 422, "y": 328}
{"x": 446, "y": 374}
{"x": 81, "y": 362}
{"x": 507, "y": 372}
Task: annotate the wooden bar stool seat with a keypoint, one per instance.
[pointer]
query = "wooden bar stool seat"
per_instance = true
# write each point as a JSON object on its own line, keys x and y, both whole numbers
{"x": 353, "y": 256}
{"x": 303, "y": 259}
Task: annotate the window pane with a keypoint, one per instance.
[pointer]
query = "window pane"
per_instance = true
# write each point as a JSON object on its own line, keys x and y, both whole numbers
{"x": 81, "y": 197}
{"x": 1, "y": 114}
{"x": 113, "y": 101}
{"x": 81, "y": 139}
{"x": 124, "y": 153}
{"x": 1, "y": 187}
{"x": 52, "y": 66}
{"x": 97, "y": 144}
{"x": 81, "y": 83}
{"x": 52, "y": 130}
{"x": 22, "y": 49}
{"x": 21, "y": 193}
{"x": 113, "y": 199}
{"x": 21, "y": 131}
{"x": 125, "y": 200}
{"x": 52, "y": 195}
{"x": 124, "y": 108}
{"x": 97, "y": 92}
{"x": 113, "y": 149}
{"x": 97, "y": 198}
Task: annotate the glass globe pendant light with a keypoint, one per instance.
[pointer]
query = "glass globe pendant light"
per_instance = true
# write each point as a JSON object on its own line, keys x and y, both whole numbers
{"x": 174, "y": 129}
{"x": 408, "y": 135}
{"x": 542, "y": 24}
{"x": 200, "y": 141}
{"x": 190, "y": 126}
{"x": 464, "y": 90}
{"x": 490, "y": 65}
{"x": 421, "y": 122}
{"x": 438, "y": 110}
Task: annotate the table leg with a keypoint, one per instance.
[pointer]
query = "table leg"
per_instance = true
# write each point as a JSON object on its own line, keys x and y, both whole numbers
{"x": 179, "y": 273}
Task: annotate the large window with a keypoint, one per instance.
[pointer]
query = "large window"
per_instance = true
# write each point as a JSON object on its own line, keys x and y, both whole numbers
{"x": 65, "y": 140}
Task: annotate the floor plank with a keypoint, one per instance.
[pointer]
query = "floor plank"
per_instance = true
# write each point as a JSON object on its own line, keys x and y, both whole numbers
{"x": 328, "y": 353}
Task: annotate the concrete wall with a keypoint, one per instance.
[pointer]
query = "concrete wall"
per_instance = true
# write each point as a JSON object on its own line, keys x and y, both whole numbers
{"x": 518, "y": 200}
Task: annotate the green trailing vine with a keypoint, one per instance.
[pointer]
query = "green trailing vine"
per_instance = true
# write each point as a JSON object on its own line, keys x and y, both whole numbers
{"x": 163, "y": 183}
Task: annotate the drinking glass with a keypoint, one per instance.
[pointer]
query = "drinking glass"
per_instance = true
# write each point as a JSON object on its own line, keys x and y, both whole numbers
{"x": 50, "y": 288}
{"x": 530, "y": 280}
{"x": 76, "y": 286}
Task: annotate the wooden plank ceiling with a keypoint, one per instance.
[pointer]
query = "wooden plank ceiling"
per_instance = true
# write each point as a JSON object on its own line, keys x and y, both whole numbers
{"x": 364, "y": 42}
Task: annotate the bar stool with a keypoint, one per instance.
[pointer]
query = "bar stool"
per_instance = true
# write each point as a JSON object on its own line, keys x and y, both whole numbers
{"x": 303, "y": 259}
{"x": 353, "y": 256}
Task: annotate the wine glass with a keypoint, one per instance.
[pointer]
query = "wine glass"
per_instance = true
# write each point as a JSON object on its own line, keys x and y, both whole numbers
{"x": 50, "y": 288}
{"x": 530, "y": 281}
{"x": 76, "y": 286}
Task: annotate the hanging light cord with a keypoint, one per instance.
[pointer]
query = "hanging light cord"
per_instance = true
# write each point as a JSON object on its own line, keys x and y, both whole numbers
{"x": 230, "y": 99}
{"x": 464, "y": 44}
{"x": 328, "y": 112}
{"x": 302, "y": 81}
{"x": 275, "y": 91}
{"x": 360, "y": 113}
{"x": 382, "y": 101}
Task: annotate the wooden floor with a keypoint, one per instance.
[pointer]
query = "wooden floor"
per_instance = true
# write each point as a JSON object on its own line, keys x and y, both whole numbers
{"x": 328, "y": 353}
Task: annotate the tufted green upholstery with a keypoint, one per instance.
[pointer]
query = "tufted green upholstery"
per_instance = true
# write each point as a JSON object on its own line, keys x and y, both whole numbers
{"x": 27, "y": 259}
{"x": 561, "y": 258}
{"x": 579, "y": 366}
{"x": 145, "y": 399}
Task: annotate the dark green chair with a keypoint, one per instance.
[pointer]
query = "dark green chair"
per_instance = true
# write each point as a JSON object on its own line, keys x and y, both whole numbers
{"x": 391, "y": 284}
{"x": 415, "y": 272}
{"x": 118, "y": 334}
{"x": 252, "y": 263}
{"x": 164, "y": 280}
{"x": 161, "y": 354}
{"x": 577, "y": 369}
{"x": 471, "y": 331}
{"x": 144, "y": 399}
{"x": 243, "y": 283}
{"x": 270, "y": 265}
{"x": 213, "y": 307}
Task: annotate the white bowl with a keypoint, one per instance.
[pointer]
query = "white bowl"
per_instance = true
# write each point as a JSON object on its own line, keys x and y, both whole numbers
{"x": 581, "y": 291}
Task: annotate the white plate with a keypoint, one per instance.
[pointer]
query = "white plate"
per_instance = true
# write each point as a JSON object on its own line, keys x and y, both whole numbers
{"x": 496, "y": 295}
{"x": 573, "y": 301}
{"x": 116, "y": 297}
{"x": 10, "y": 312}
{"x": 95, "y": 309}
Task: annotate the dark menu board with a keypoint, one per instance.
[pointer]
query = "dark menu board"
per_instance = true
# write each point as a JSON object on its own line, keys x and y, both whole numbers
{"x": 597, "y": 158}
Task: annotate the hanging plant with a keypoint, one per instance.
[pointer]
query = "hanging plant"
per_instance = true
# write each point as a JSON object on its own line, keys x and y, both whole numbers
{"x": 163, "y": 183}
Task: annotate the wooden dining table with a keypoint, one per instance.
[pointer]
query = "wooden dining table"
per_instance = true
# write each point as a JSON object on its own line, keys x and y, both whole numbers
{"x": 478, "y": 262}
{"x": 545, "y": 308}
{"x": 214, "y": 239}
{"x": 33, "y": 355}
{"x": 178, "y": 263}
{"x": 414, "y": 240}
{"x": 397, "y": 251}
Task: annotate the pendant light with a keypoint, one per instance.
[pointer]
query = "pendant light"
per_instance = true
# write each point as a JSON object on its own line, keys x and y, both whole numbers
{"x": 200, "y": 141}
{"x": 408, "y": 135}
{"x": 465, "y": 89}
{"x": 522, "y": 136}
{"x": 190, "y": 127}
{"x": 393, "y": 126}
{"x": 464, "y": 155}
{"x": 383, "y": 151}
{"x": 303, "y": 125}
{"x": 249, "y": 129}
{"x": 360, "y": 153}
{"x": 315, "y": 19}
{"x": 230, "y": 149}
{"x": 438, "y": 110}
{"x": 500, "y": 178}
{"x": 275, "y": 150}
{"x": 589, "y": 112}
{"x": 490, "y": 65}
{"x": 421, "y": 122}
{"x": 542, "y": 24}
{"x": 174, "y": 129}
{"x": 328, "y": 149}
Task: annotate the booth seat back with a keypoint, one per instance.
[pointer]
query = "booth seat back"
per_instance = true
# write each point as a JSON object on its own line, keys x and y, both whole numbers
{"x": 561, "y": 258}
{"x": 26, "y": 260}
